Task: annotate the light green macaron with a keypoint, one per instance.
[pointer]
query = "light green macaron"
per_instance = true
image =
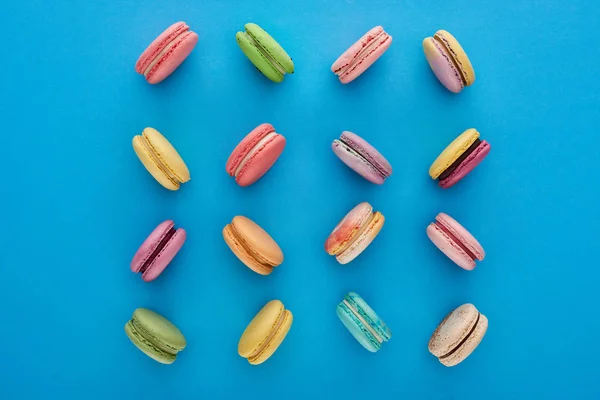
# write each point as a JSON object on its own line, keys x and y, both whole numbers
{"x": 155, "y": 336}
{"x": 264, "y": 52}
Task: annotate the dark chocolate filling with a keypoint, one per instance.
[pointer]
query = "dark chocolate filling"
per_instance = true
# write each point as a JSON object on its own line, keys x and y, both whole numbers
{"x": 454, "y": 350}
{"x": 456, "y": 240}
{"x": 460, "y": 159}
{"x": 158, "y": 249}
{"x": 357, "y": 151}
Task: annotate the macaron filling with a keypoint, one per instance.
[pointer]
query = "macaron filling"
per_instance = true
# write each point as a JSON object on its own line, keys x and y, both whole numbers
{"x": 443, "y": 42}
{"x": 363, "y": 321}
{"x": 265, "y": 343}
{"x": 161, "y": 245}
{"x": 459, "y": 345}
{"x": 460, "y": 159}
{"x": 252, "y": 152}
{"x": 372, "y": 44}
{"x": 264, "y": 52}
{"x": 177, "y": 39}
{"x": 153, "y": 153}
{"x": 456, "y": 240}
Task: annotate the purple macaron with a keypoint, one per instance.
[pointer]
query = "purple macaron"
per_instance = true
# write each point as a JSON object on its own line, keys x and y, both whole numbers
{"x": 158, "y": 250}
{"x": 363, "y": 158}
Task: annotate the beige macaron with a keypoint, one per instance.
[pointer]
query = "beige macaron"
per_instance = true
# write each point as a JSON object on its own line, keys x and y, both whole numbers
{"x": 458, "y": 335}
{"x": 161, "y": 159}
{"x": 265, "y": 333}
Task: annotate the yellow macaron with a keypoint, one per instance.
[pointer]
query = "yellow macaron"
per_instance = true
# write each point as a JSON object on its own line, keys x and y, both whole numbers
{"x": 265, "y": 332}
{"x": 160, "y": 159}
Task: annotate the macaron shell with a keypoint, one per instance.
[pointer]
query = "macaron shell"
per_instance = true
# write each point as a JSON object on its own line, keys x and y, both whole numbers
{"x": 367, "y": 151}
{"x": 147, "y": 347}
{"x": 160, "y": 328}
{"x": 271, "y": 46}
{"x": 348, "y": 228}
{"x": 358, "y": 69}
{"x": 276, "y": 341}
{"x": 451, "y": 249}
{"x": 371, "y": 316}
{"x": 453, "y": 329}
{"x": 173, "y": 58}
{"x": 356, "y": 162}
{"x": 459, "y": 55}
{"x": 467, "y": 165}
{"x": 363, "y": 241}
{"x": 462, "y": 234}
{"x": 453, "y": 152}
{"x": 151, "y": 165}
{"x": 261, "y": 161}
{"x": 442, "y": 66}
{"x": 357, "y": 328}
{"x": 166, "y": 152}
{"x": 349, "y": 55}
{"x": 470, "y": 344}
{"x": 158, "y": 45}
{"x": 242, "y": 254}
{"x": 258, "y": 58}
{"x": 166, "y": 255}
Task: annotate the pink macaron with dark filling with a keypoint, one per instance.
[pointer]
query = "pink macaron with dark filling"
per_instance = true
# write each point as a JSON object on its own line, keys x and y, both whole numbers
{"x": 361, "y": 157}
{"x": 455, "y": 241}
{"x": 166, "y": 52}
{"x": 361, "y": 55}
{"x": 255, "y": 154}
{"x": 158, "y": 250}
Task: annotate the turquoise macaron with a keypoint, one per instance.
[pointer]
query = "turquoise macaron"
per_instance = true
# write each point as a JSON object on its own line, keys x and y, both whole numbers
{"x": 154, "y": 335}
{"x": 362, "y": 322}
{"x": 264, "y": 52}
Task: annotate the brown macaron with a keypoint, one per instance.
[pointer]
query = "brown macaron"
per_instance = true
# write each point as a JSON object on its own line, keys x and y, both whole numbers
{"x": 458, "y": 335}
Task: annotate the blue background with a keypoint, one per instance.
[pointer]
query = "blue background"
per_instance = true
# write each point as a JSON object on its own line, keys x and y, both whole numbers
{"x": 77, "y": 202}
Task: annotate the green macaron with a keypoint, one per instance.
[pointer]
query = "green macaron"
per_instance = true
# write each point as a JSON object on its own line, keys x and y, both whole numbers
{"x": 264, "y": 52}
{"x": 155, "y": 335}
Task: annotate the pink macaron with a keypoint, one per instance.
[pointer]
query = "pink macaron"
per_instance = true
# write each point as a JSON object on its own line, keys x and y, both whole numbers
{"x": 255, "y": 154}
{"x": 166, "y": 52}
{"x": 361, "y": 157}
{"x": 361, "y": 55}
{"x": 455, "y": 241}
{"x": 158, "y": 250}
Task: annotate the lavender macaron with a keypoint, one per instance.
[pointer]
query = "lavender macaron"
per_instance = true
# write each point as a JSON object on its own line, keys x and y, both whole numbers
{"x": 363, "y": 158}
{"x": 157, "y": 251}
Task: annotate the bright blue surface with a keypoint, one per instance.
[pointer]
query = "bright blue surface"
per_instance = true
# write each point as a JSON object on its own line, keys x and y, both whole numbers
{"x": 77, "y": 203}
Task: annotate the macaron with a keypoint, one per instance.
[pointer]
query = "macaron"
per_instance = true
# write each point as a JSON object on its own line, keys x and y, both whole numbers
{"x": 361, "y": 55}
{"x": 264, "y": 52}
{"x": 362, "y": 322}
{"x": 154, "y": 335}
{"x": 455, "y": 241}
{"x": 255, "y": 154}
{"x": 158, "y": 250}
{"x": 161, "y": 159}
{"x": 459, "y": 158}
{"x": 448, "y": 61}
{"x": 458, "y": 335}
{"x": 265, "y": 333}
{"x": 354, "y": 233}
{"x": 166, "y": 52}
{"x": 361, "y": 157}
{"x": 252, "y": 245}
